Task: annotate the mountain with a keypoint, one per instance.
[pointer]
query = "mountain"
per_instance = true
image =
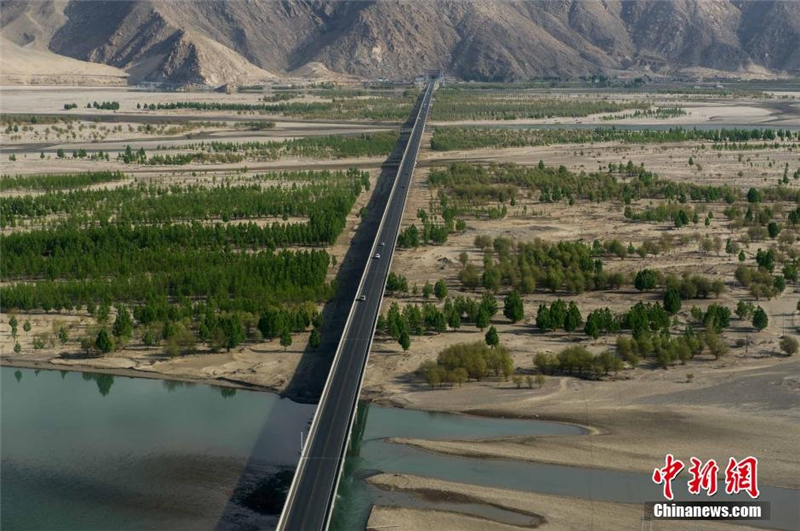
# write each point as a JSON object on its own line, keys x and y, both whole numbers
{"x": 237, "y": 41}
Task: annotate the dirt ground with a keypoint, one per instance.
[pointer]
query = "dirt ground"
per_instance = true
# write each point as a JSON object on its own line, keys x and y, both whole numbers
{"x": 559, "y": 513}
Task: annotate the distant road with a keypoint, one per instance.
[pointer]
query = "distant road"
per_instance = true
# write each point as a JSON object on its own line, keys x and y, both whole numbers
{"x": 312, "y": 495}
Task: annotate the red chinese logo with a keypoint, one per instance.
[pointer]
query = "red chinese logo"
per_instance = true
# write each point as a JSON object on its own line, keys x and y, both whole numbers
{"x": 742, "y": 476}
{"x": 704, "y": 477}
{"x": 665, "y": 475}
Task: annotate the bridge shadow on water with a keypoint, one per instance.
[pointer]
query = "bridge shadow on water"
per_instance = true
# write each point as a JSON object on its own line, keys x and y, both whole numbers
{"x": 257, "y": 499}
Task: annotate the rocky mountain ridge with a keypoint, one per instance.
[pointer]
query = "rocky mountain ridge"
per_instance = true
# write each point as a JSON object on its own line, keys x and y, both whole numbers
{"x": 241, "y": 41}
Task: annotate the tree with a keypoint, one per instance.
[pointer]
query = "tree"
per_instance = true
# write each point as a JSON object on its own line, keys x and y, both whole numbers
{"x": 573, "y": 318}
{"x": 540, "y": 380}
{"x": 744, "y": 309}
{"x": 482, "y": 319}
{"x": 592, "y": 328}
{"x": 427, "y": 290}
{"x": 103, "y": 342}
{"x": 543, "y": 320}
{"x": 26, "y": 326}
{"x": 489, "y": 303}
{"x": 404, "y": 340}
{"x": 13, "y": 323}
{"x": 513, "y": 308}
{"x": 789, "y": 345}
{"x": 314, "y": 339}
{"x": 672, "y": 301}
{"x": 123, "y": 324}
{"x": 760, "y": 319}
{"x": 233, "y": 330}
{"x": 492, "y": 337}
{"x": 102, "y": 313}
{"x": 773, "y": 229}
{"x": 440, "y": 289}
{"x": 454, "y": 320}
{"x": 286, "y": 339}
{"x": 459, "y": 375}
{"x": 716, "y": 345}
{"x": 60, "y": 153}
{"x": 645, "y": 280}
{"x": 63, "y": 334}
{"x": 470, "y": 277}
{"x": 753, "y": 196}
{"x": 17, "y": 348}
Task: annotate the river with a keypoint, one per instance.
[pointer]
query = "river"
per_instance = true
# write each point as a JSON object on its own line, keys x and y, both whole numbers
{"x": 83, "y": 451}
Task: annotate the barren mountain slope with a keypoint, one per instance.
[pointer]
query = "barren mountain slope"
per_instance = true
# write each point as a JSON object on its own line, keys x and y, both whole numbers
{"x": 212, "y": 41}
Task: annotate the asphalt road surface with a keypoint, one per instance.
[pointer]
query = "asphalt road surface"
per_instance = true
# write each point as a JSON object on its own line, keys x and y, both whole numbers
{"x": 310, "y": 501}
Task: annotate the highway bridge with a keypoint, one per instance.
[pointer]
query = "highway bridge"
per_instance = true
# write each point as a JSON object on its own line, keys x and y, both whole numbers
{"x": 311, "y": 497}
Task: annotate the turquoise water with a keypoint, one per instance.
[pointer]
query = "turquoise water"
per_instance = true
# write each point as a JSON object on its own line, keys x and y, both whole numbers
{"x": 375, "y": 455}
{"x": 98, "y": 452}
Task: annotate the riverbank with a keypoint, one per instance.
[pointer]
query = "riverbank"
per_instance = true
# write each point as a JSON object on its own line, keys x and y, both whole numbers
{"x": 559, "y": 513}
{"x": 635, "y": 422}
{"x": 133, "y": 373}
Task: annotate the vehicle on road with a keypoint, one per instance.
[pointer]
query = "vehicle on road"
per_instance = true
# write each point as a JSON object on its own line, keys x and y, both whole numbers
{"x": 362, "y": 298}
{"x": 377, "y": 256}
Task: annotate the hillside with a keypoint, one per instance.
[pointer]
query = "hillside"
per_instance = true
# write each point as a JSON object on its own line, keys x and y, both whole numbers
{"x": 212, "y": 42}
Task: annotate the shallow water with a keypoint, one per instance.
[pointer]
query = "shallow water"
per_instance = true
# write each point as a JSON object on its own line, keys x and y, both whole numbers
{"x": 90, "y": 451}
{"x": 84, "y": 451}
{"x": 377, "y": 455}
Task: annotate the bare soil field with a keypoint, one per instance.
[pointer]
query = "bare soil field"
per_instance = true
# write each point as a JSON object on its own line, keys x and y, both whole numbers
{"x": 556, "y": 512}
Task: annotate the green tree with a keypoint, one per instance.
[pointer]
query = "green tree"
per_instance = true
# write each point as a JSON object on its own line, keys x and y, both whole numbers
{"x": 573, "y": 318}
{"x": 286, "y": 339}
{"x": 314, "y": 339}
{"x": 773, "y": 229}
{"x": 427, "y": 290}
{"x": 482, "y": 319}
{"x": 454, "y": 320}
{"x": 17, "y": 348}
{"x": 672, "y": 301}
{"x": 103, "y": 312}
{"x": 760, "y": 319}
{"x": 233, "y": 330}
{"x": 513, "y": 308}
{"x": 440, "y": 289}
{"x": 103, "y": 342}
{"x": 123, "y": 324}
{"x": 26, "y": 326}
{"x": 13, "y": 323}
{"x": 404, "y": 340}
{"x": 645, "y": 280}
{"x": 63, "y": 334}
{"x": 492, "y": 337}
